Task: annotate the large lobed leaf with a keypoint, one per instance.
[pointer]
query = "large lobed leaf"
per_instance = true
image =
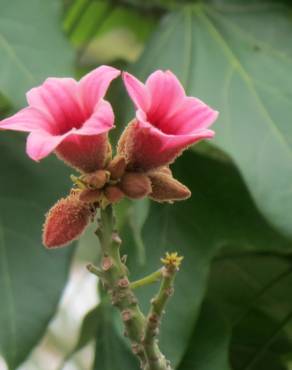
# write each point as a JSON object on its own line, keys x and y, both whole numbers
{"x": 253, "y": 291}
{"x": 31, "y": 277}
{"x": 32, "y": 47}
{"x": 237, "y": 56}
{"x": 209, "y": 345}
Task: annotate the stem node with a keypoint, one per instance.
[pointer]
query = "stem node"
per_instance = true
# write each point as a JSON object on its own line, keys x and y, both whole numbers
{"x": 123, "y": 283}
{"x": 127, "y": 315}
{"x": 106, "y": 263}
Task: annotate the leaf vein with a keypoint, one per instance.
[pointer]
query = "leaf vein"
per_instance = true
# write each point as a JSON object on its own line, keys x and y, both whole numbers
{"x": 13, "y": 56}
{"x": 245, "y": 76}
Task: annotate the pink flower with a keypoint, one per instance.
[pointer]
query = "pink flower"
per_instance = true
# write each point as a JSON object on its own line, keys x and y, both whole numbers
{"x": 167, "y": 121}
{"x": 70, "y": 118}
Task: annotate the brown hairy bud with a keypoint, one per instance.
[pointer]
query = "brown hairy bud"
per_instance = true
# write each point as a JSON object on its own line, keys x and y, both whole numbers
{"x": 97, "y": 179}
{"x": 166, "y": 170}
{"x": 124, "y": 139}
{"x": 65, "y": 222}
{"x": 117, "y": 167}
{"x": 167, "y": 189}
{"x": 135, "y": 185}
{"x": 113, "y": 194}
{"x": 90, "y": 195}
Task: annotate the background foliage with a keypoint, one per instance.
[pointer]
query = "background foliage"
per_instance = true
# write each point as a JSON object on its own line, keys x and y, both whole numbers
{"x": 232, "y": 308}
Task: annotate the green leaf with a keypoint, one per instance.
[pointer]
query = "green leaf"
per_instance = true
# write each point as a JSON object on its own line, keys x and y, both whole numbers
{"x": 32, "y": 46}
{"x": 209, "y": 345}
{"x": 238, "y": 58}
{"x": 137, "y": 218}
{"x": 94, "y": 25}
{"x": 111, "y": 353}
{"x": 253, "y": 291}
{"x": 31, "y": 277}
{"x": 85, "y": 16}
{"x": 214, "y": 217}
{"x": 88, "y": 329}
{"x": 260, "y": 343}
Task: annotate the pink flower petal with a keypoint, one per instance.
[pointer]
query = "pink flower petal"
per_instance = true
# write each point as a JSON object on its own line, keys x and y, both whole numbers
{"x": 166, "y": 95}
{"x": 137, "y": 91}
{"x": 101, "y": 120}
{"x": 191, "y": 116}
{"x": 26, "y": 120}
{"x": 181, "y": 142}
{"x": 58, "y": 99}
{"x": 40, "y": 144}
{"x": 94, "y": 85}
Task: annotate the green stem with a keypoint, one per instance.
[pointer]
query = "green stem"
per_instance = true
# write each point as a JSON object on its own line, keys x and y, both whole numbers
{"x": 156, "y": 361}
{"x": 147, "y": 280}
{"x": 115, "y": 279}
{"x": 114, "y": 276}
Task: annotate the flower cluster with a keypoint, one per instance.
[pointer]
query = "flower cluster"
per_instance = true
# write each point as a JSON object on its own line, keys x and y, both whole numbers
{"x": 72, "y": 119}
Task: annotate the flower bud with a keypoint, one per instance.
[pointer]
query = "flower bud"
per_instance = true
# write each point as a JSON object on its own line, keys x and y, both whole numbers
{"x": 97, "y": 179}
{"x": 135, "y": 185}
{"x": 166, "y": 170}
{"x": 65, "y": 222}
{"x": 124, "y": 139}
{"x": 90, "y": 195}
{"x": 166, "y": 189}
{"x": 117, "y": 167}
{"x": 113, "y": 194}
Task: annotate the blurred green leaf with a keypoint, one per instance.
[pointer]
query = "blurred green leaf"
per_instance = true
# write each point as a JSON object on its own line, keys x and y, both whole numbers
{"x": 32, "y": 46}
{"x": 237, "y": 56}
{"x": 260, "y": 344}
{"x": 111, "y": 353}
{"x": 253, "y": 291}
{"x": 4, "y": 106}
{"x": 105, "y": 32}
{"x": 31, "y": 277}
{"x": 219, "y": 214}
{"x": 209, "y": 345}
{"x": 88, "y": 329}
{"x": 124, "y": 47}
{"x": 137, "y": 218}
{"x": 85, "y": 18}
{"x": 84, "y": 15}
{"x": 134, "y": 214}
